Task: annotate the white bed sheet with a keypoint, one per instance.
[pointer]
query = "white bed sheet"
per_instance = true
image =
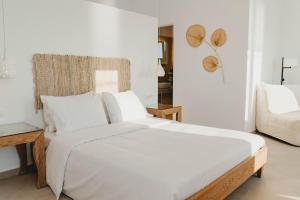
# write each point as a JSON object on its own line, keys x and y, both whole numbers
{"x": 130, "y": 161}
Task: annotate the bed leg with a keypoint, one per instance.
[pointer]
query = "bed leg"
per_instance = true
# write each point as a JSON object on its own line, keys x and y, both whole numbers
{"x": 259, "y": 173}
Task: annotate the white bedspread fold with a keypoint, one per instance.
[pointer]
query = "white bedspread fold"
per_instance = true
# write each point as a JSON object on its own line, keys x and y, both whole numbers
{"x": 60, "y": 148}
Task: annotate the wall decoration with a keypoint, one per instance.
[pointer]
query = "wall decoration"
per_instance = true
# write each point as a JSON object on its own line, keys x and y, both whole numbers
{"x": 210, "y": 63}
{"x": 218, "y": 38}
{"x": 196, "y": 36}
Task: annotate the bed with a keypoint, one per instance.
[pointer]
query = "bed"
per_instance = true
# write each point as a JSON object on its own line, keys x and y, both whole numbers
{"x": 149, "y": 158}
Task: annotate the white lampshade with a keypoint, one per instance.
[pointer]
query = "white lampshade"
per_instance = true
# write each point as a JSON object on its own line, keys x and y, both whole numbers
{"x": 160, "y": 70}
{"x": 289, "y": 62}
{"x": 160, "y": 50}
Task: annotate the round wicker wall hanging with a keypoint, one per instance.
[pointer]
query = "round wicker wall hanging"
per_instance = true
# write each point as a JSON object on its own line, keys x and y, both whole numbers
{"x": 195, "y": 35}
{"x": 210, "y": 63}
{"x": 219, "y": 38}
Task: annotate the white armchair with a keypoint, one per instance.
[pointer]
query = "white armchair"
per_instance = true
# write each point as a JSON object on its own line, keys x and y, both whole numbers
{"x": 278, "y": 113}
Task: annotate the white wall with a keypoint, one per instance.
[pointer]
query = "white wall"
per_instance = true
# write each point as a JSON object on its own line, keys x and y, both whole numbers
{"x": 272, "y": 40}
{"x": 290, "y": 42}
{"x": 281, "y": 39}
{"x": 205, "y": 99}
{"x": 72, "y": 27}
{"x": 147, "y": 7}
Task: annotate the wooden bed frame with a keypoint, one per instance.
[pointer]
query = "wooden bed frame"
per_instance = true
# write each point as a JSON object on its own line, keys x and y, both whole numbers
{"x": 231, "y": 180}
{"x": 219, "y": 189}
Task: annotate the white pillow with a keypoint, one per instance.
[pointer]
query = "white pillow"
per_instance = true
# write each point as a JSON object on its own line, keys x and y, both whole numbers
{"x": 76, "y": 112}
{"x": 50, "y": 124}
{"x": 124, "y": 106}
{"x": 49, "y": 121}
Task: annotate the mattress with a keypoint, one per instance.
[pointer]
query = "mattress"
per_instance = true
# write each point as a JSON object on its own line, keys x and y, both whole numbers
{"x": 132, "y": 161}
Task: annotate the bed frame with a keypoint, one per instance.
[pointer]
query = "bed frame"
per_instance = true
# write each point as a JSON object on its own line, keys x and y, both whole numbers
{"x": 231, "y": 180}
{"x": 66, "y": 70}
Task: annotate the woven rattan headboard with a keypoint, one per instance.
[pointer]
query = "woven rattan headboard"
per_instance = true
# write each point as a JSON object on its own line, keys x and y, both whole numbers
{"x": 64, "y": 75}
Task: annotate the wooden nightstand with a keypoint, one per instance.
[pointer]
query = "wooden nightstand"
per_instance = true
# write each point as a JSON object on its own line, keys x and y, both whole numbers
{"x": 18, "y": 134}
{"x": 166, "y": 112}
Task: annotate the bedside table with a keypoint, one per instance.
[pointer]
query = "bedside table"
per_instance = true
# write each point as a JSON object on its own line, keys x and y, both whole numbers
{"x": 166, "y": 112}
{"x": 19, "y": 134}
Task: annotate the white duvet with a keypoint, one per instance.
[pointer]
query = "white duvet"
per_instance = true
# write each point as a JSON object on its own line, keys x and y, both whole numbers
{"x": 147, "y": 159}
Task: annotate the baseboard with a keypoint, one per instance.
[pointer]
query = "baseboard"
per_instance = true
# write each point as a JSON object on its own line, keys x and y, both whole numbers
{"x": 9, "y": 174}
{"x": 14, "y": 172}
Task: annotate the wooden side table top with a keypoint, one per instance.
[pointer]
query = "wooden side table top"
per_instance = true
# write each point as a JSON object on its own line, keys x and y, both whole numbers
{"x": 163, "y": 111}
{"x": 19, "y": 134}
{"x": 17, "y": 128}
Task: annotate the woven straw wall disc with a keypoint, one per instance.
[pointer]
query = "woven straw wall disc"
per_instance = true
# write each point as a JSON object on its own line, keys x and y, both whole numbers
{"x": 210, "y": 63}
{"x": 195, "y": 35}
{"x": 219, "y": 37}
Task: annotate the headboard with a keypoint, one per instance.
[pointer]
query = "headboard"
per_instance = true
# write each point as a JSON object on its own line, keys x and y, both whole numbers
{"x": 64, "y": 75}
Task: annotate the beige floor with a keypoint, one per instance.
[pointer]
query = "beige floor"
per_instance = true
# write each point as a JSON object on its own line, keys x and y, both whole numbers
{"x": 280, "y": 181}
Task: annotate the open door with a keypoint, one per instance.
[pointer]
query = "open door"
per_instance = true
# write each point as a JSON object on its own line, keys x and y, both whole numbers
{"x": 165, "y": 83}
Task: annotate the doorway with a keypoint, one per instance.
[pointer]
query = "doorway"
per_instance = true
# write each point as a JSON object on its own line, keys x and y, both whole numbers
{"x": 165, "y": 80}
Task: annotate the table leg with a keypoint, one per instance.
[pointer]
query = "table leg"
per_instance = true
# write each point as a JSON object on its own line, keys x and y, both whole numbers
{"x": 39, "y": 158}
{"x": 260, "y": 172}
{"x": 178, "y": 117}
{"x": 22, "y": 152}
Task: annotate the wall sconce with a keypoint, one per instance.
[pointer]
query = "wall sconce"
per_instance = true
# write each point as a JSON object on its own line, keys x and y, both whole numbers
{"x": 287, "y": 64}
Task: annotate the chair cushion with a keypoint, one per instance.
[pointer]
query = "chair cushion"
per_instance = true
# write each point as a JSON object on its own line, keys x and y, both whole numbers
{"x": 289, "y": 121}
{"x": 280, "y": 99}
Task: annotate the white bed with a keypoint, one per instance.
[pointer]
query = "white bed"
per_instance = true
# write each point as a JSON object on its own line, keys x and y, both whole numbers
{"x": 137, "y": 157}
{"x": 144, "y": 159}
